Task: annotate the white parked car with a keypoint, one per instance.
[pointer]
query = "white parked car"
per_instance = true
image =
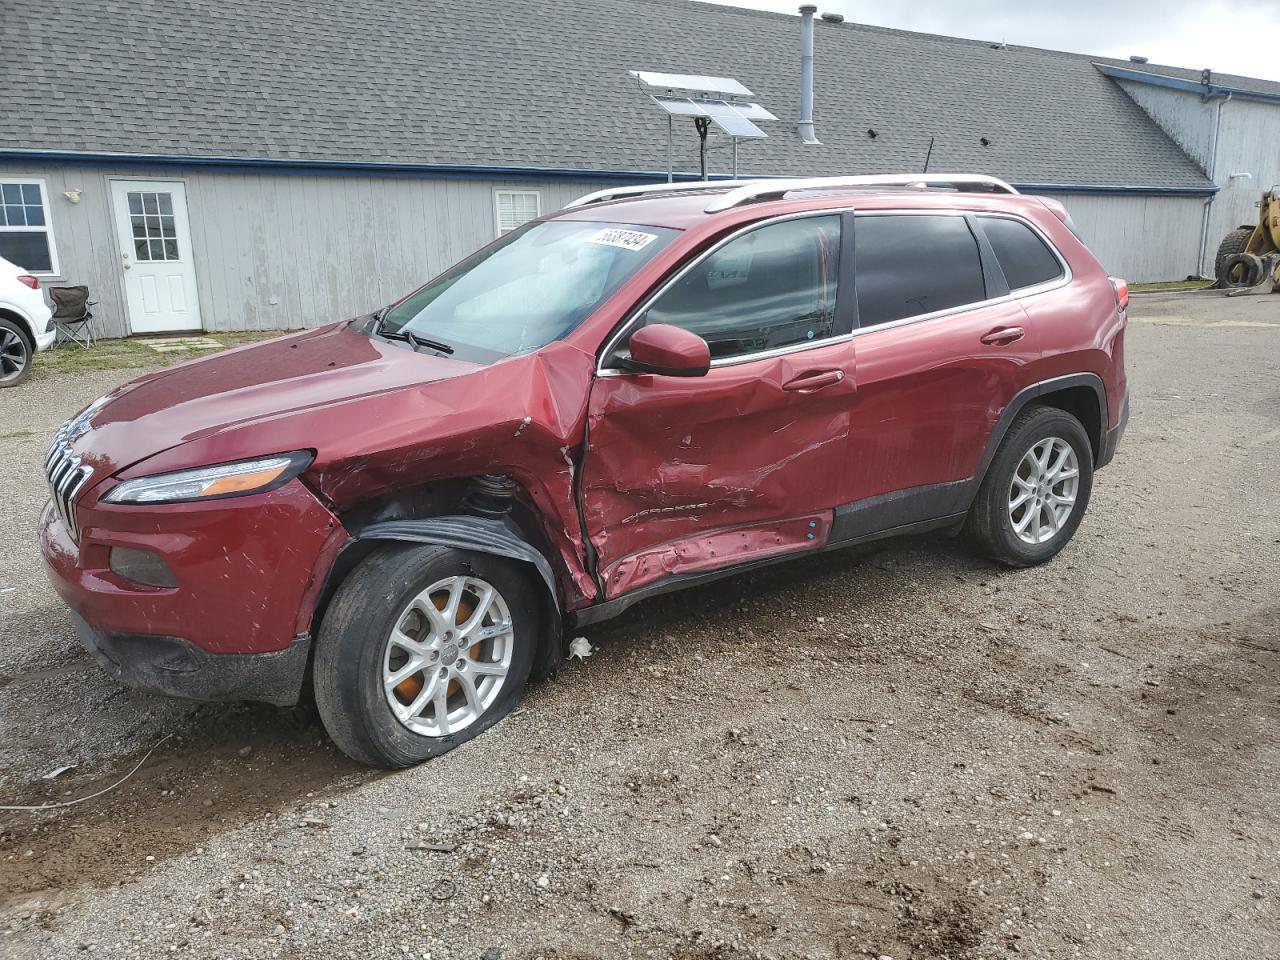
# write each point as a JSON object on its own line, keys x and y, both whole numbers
{"x": 25, "y": 326}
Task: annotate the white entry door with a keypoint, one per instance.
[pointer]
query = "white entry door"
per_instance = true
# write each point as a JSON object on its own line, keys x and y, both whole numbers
{"x": 155, "y": 251}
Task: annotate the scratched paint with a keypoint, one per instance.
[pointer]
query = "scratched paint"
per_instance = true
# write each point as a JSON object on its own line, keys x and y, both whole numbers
{"x": 718, "y": 548}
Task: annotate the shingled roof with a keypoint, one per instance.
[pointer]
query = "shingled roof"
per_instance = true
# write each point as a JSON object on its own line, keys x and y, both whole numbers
{"x": 544, "y": 83}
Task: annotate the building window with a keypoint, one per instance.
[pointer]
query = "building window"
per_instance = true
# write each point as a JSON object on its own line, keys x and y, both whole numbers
{"x": 26, "y": 236}
{"x": 515, "y": 207}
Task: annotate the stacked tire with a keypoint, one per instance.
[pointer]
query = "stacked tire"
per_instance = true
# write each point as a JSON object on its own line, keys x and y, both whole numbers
{"x": 1233, "y": 267}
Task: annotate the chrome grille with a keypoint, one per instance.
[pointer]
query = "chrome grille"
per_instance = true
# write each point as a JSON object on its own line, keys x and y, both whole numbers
{"x": 67, "y": 477}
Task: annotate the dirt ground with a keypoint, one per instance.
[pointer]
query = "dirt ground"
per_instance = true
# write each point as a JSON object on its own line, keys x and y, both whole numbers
{"x": 901, "y": 752}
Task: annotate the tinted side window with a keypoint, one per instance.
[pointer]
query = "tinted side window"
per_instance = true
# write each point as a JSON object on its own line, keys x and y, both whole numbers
{"x": 905, "y": 266}
{"x": 1023, "y": 256}
{"x": 772, "y": 287}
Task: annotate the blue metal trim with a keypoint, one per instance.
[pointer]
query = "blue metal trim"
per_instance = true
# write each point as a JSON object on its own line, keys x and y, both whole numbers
{"x": 344, "y": 167}
{"x": 1184, "y": 85}
{"x": 1204, "y": 191}
{"x": 452, "y": 171}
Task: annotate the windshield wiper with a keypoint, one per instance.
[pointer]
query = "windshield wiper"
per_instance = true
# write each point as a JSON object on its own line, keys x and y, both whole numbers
{"x": 418, "y": 342}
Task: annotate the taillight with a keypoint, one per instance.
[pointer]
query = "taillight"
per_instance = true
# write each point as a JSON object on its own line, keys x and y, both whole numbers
{"x": 30, "y": 281}
{"x": 1121, "y": 287}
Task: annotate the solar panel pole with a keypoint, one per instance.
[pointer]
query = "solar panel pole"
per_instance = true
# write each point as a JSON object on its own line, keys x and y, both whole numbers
{"x": 669, "y": 162}
{"x": 735, "y": 157}
{"x": 702, "y": 124}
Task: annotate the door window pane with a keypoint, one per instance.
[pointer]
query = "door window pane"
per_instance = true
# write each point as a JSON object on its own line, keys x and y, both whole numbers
{"x": 155, "y": 232}
{"x": 906, "y": 266}
{"x": 1023, "y": 256}
{"x": 772, "y": 287}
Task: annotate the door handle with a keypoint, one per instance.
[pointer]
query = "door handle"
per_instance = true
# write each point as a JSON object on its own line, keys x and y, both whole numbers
{"x": 1003, "y": 335}
{"x": 814, "y": 381}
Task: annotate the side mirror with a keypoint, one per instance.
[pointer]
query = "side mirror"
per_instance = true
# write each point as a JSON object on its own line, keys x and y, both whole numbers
{"x": 669, "y": 351}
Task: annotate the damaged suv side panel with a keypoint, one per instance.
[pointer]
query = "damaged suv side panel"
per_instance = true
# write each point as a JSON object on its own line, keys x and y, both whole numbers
{"x": 404, "y": 510}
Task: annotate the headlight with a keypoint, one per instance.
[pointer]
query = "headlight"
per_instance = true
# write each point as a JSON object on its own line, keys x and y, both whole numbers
{"x": 210, "y": 483}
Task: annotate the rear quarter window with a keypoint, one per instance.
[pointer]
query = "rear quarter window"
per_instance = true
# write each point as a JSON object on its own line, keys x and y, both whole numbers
{"x": 1022, "y": 255}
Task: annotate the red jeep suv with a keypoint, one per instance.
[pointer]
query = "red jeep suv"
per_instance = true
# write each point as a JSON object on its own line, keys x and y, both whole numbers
{"x": 651, "y": 388}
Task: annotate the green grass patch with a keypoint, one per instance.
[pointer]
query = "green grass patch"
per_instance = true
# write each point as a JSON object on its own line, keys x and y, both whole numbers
{"x": 1170, "y": 286}
{"x": 131, "y": 353}
{"x": 17, "y": 435}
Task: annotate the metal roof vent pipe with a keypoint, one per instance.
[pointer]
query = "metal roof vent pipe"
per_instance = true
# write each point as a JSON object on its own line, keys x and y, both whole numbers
{"x": 805, "y": 126}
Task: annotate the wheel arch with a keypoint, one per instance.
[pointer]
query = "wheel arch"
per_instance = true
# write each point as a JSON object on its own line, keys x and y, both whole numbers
{"x": 1087, "y": 403}
{"x": 408, "y": 518}
{"x": 1082, "y": 395}
{"x": 24, "y": 325}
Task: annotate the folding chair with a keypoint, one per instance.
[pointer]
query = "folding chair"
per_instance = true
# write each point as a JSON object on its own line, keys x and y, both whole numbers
{"x": 71, "y": 315}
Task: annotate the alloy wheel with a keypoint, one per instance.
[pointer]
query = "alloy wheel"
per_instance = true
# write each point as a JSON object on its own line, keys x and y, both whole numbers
{"x": 1043, "y": 492}
{"x": 448, "y": 656}
{"x": 14, "y": 355}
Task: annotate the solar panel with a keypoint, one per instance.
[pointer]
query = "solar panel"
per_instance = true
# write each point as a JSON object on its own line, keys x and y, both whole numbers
{"x": 679, "y": 106}
{"x": 730, "y": 120}
{"x": 693, "y": 82}
{"x": 753, "y": 111}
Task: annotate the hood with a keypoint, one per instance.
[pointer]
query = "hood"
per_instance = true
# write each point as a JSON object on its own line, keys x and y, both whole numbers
{"x": 234, "y": 389}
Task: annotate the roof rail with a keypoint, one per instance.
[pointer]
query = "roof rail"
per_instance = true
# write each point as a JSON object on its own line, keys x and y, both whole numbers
{"x": 773, "y": 189}
{"x": 617, "y": 193}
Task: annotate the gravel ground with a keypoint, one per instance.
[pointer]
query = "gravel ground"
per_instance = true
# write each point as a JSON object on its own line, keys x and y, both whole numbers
{"x": 900, "y": 752}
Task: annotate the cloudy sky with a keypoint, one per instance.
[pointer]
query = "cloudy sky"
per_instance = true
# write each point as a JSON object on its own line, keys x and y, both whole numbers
{"x": 1230, "y": 36}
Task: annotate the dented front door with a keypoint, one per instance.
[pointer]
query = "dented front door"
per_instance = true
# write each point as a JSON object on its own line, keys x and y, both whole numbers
{"x": 690, "y": 474}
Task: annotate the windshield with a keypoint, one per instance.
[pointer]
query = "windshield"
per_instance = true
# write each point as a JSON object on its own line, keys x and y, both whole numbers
{"x": 532, "y": 287}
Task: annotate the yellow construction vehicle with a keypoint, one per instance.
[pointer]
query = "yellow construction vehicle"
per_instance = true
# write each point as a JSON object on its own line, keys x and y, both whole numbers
{"x": 1250, "y": 255}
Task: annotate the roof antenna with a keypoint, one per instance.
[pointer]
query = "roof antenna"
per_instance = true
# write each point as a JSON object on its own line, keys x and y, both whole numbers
{"x": 927, "y": 156}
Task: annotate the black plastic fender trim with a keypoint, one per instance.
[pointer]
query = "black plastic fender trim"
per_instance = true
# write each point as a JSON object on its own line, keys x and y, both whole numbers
{"x": 1025, "y": 396}
{"x": 482, "y": 535}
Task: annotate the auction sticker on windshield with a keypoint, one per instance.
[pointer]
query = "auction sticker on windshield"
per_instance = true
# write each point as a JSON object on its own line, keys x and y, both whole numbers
{"x": 627, "y": 239}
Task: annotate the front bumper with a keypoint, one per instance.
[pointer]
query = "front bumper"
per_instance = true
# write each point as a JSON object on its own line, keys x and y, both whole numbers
{"x": 178, "y": 668}
{"x": 248, "y": 572}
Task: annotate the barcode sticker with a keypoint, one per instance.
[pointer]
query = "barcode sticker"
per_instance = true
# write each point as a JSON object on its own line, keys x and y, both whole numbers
{"x": 627, "y": 239}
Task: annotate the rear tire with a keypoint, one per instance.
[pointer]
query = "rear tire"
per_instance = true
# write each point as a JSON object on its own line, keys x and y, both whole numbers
{"x": 16, "y": 353}
{"x": 1021, "y": 515}
{"x": 392, "y": 615}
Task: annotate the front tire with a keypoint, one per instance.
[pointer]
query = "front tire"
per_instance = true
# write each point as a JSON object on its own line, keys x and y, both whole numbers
{"x": 421, "y": 649}
{"x": 1036, "y": 490}
{"x": 16, "y": 353}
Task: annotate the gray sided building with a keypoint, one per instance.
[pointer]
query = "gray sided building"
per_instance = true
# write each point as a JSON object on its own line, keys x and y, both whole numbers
{"x": 233, "y": 165}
